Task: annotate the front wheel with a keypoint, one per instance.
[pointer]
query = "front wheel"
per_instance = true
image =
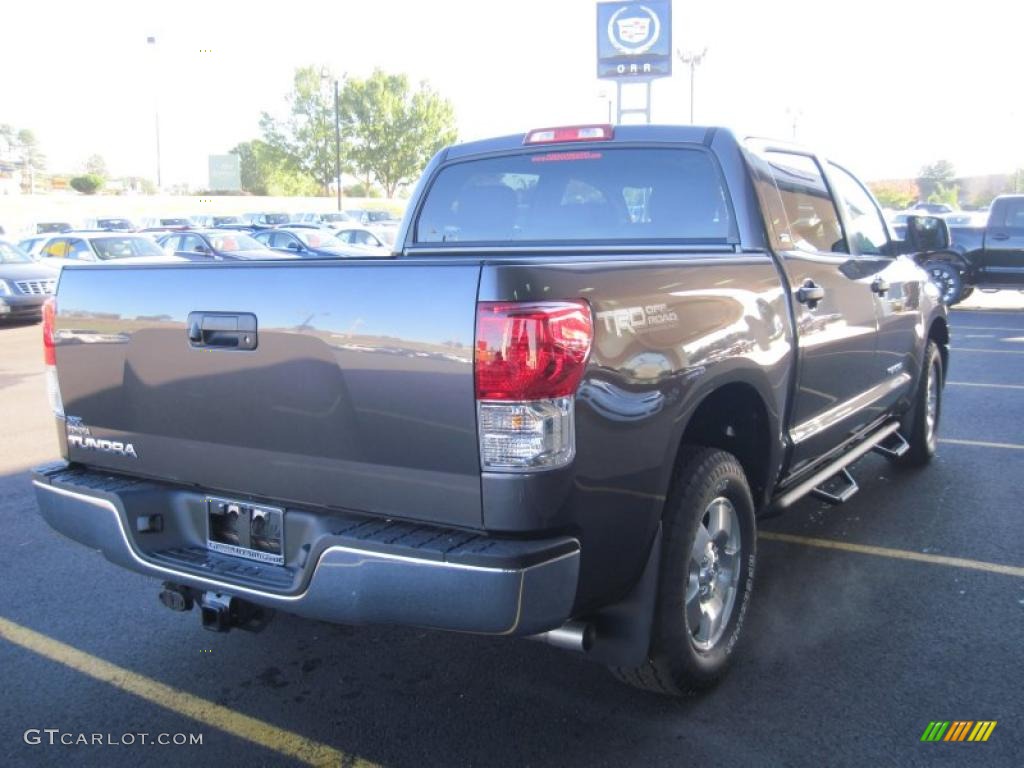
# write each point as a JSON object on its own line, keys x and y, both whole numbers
{"x": 707, "y": 572}
{"x": 947, "y": 278}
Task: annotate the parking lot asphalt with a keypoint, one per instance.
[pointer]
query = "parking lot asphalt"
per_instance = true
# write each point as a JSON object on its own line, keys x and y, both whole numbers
{"x": 850, "y": 648}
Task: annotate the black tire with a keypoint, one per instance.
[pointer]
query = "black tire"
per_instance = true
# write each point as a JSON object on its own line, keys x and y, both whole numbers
{"x": 965, "y": 292}
{"x": 922, "y": 433}
{"x": 677, "y": 664}
{"x": 947, "y": 278}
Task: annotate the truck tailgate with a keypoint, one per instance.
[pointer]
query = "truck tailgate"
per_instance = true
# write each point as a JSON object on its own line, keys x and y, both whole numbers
{"x": 357, "y": 395}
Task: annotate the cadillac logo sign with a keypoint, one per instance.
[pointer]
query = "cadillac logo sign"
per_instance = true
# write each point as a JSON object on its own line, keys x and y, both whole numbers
{"x": 634, "y": 39}
{"x": 632, "y": 35}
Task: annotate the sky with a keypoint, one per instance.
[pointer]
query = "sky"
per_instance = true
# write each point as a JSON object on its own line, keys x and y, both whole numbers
{"x": 883, "y": 87}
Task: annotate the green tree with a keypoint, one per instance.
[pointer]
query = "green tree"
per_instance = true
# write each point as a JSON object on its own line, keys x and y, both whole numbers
{"x": 97, "y": 166}
{"x": 940, "y": 172}
{"x": 948, "y": 194}
{"x": 89, "y": 184}
{"x": 894, "y": 194}
{"x": 391, "y": 131}
{"x": 266, "y": 170}
{"x": 934, "y": 174}
{"x": 305, "y": 139}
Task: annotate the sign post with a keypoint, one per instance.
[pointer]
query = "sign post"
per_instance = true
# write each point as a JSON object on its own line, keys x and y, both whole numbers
{"x": 634, "y": 47}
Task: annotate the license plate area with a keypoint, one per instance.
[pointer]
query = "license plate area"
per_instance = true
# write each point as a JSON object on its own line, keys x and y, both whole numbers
{"x": 244, "y": 529}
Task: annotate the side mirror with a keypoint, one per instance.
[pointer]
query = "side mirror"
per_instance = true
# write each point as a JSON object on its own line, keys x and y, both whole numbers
{"x": 201, "y": 248}
{"x": 927, "y": 233}
{"x": 293, "y": 246}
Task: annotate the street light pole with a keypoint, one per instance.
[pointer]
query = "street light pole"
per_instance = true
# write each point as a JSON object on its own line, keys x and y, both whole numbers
{"x": 151, "y": 40}
{"x": 692, "y": 60}
{"x": 337, "y": 143}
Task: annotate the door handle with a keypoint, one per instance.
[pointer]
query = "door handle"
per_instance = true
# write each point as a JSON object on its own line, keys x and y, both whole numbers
{"x": 880, "y": 286}
{"x": 1000, "y": 236}
{"x": 222, "y": 330}
{"x": 810, "y": 293}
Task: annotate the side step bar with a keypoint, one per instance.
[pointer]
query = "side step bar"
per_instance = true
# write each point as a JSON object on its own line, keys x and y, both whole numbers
{"x": 850, "y": 487}
{"x": 839, "y": 465}
{"x": 894, "y": 447}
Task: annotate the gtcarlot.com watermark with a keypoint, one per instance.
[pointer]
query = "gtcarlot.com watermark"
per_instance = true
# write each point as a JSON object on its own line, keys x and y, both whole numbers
{"x": 57, "y": 737}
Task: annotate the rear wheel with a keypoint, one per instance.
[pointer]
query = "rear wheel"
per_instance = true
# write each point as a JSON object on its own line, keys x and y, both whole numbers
{"x": 923, "y": 434}
{"x": 947, "y": 278}
{"x": 707, "y": 571}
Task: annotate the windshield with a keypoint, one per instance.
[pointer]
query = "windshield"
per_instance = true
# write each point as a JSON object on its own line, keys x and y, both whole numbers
{"x": 236, "y": 242}
{"x": 174, "y": 222}
{"x": 317, "y": 239}
{"x": 125, "y": 247}
{"x": 381, "y": 216}
{"x": 633, "y": 195}
{"x": 275, "y": 218}
{"x": 11, "y": 254}
{"x": 335, "y": 217}
{"x": 221, "y": 221}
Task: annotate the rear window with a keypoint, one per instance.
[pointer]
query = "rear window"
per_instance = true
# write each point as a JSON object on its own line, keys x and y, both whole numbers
{"x": 125, "y": 247}
{"x": 578, "y": 195}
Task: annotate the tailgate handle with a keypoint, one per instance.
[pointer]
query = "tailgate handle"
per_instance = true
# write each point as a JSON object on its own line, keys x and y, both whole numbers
{"x": 222, "y": 330}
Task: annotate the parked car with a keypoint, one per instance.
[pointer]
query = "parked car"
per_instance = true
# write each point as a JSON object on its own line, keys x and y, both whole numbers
{"x": 932, "y": 208}
{"x": 987, "y": 255}
{"x": 164, "y": 224}
{"x": 307, "y": 243}
{"x": 361, "y": 237}
{"x": 218, "y": 245}
{"x": 383, "y": 223}
{"x": 92, "y": 247}
{"x": 402, "y": 441}
{"x": 332, "y": 219}
{"x": 207, "y": 221}
{"x": 110, "y": 225}
{"x": 24, "y": 284}
{"x": 266, "y": 220}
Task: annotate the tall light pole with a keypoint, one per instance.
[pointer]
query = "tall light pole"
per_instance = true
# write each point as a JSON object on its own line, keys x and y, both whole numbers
{"x": 692, "y": 60}
{"x": 324, "y": 76}
{"x": 151, "y": 40}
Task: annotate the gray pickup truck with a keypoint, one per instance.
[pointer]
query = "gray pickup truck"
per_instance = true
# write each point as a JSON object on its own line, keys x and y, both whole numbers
{"x": 596, "y": 357}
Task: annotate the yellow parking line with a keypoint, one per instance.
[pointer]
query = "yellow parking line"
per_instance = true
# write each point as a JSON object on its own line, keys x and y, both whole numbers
{"x": 982, "y": 443}
{"x": 199, "y": 709}
{"x": 991, "y": 386}
{"x": 896, "y": 554}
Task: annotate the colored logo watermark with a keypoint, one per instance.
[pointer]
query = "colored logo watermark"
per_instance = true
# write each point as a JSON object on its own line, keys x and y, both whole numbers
{"x": 958, "y": 730}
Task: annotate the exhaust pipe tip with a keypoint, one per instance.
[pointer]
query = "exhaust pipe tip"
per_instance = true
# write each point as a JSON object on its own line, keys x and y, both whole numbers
{"x": 572, "y": 636}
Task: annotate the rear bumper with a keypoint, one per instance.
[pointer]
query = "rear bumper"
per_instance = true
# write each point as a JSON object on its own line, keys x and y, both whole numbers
{"x": 349, "y": 571}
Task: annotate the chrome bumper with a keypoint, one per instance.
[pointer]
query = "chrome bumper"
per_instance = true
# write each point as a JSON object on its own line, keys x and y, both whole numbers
{"x": 349, "y": 582}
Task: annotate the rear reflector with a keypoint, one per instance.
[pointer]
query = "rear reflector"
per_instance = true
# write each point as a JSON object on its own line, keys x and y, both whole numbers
{"x": 570, "y": 133}
{"x": 49, "y": 316}
{"x": 50, "y": 358}
{"x": 529, "y": 360}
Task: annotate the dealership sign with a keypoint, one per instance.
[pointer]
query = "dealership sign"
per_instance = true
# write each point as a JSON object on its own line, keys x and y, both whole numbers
{"x": 634, "y": 39}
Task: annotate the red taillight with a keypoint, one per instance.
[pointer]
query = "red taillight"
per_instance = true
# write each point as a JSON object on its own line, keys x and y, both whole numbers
{"x": 531, "y": 351}
{"x": 49, "y": 315}
{"x": 570, "y": 133}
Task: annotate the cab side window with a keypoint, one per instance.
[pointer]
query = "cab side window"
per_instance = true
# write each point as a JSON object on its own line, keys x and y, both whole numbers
{"x": 1014, "y": 214}
{"x": 813, "y": 222}
{"x": 865, "y": 227}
